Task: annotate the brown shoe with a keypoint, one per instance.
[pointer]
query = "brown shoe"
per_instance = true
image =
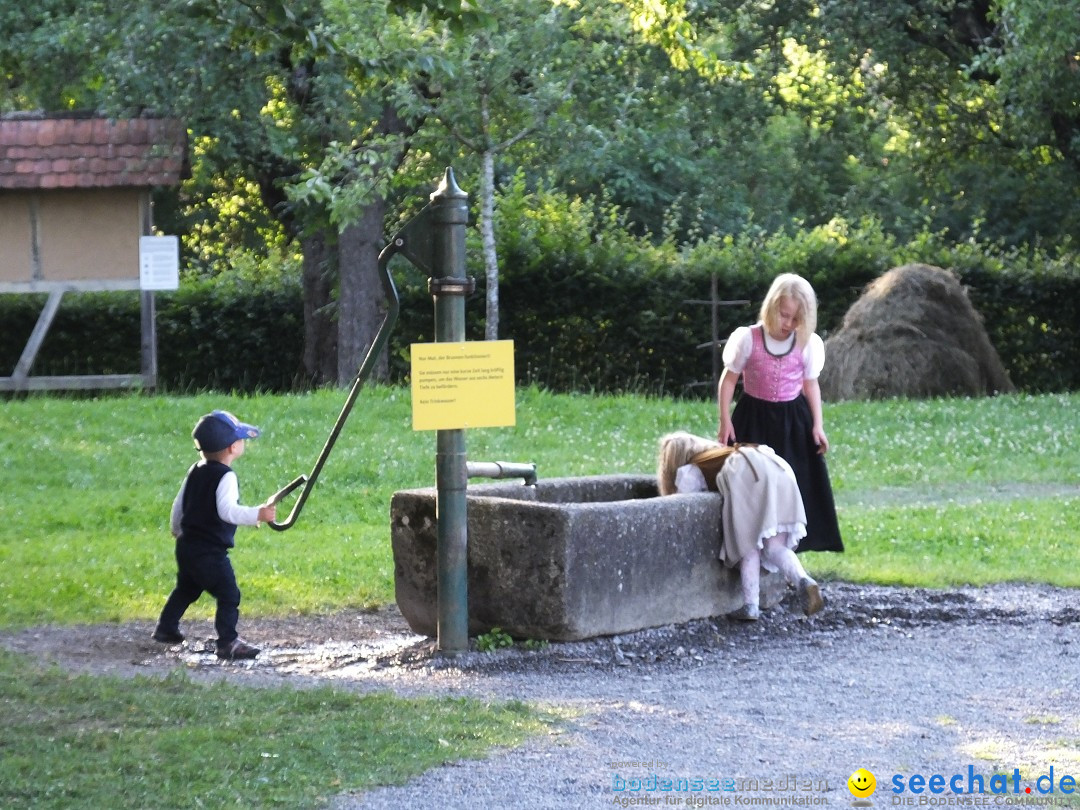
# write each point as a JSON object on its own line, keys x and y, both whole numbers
{"x": 810, "y": 596}
{"x": 237, "y": 648}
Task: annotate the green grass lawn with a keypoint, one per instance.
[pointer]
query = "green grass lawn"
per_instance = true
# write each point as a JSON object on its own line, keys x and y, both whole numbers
{"x": 987, "y": 486}
{"x": 949, "y": 492}
{"x": 170, "y": 743}
{"x": 930, "y": 494}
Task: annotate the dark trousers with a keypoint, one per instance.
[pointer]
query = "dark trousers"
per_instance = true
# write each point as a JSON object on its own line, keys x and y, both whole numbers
{"x": 202, "y": 569}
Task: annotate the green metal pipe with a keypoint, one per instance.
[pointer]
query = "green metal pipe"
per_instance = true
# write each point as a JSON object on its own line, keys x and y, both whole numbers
{"x": 449, "y": 286}
{"x": 451, "y": 515}
{"x": 393, "y": 305}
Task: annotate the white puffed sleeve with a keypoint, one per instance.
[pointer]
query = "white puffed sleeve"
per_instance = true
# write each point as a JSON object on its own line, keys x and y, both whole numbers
{"x": 737, "y": 349}
{"x": 813, "y": 358}
{"x": 690, "y": 478}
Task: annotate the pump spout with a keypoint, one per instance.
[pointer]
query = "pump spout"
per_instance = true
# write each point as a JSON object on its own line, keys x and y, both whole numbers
{"x": 502, "y": 469}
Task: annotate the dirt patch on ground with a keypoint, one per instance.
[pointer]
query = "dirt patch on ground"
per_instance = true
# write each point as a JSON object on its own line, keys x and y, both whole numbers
{"x": 351, "y": 646}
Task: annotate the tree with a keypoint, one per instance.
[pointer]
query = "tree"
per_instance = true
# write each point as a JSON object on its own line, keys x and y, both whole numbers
{"x": 497, "y": 88}
{"x": 271, "y": 93}
{"x": 718, "y": 118}
{"x": 1036, "y": 57}
{"x": 982, "y": 99}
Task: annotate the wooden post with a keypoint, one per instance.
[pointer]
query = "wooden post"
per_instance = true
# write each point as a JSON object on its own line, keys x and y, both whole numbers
{"x": 148, "y": 311}
{"x": 716, "y": 342}
{"x": 148, "y": 307}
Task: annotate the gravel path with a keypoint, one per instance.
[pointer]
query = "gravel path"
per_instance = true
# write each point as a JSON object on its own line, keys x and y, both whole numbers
{"x": 898, "y": 682}
{"x": 969, "y": 682}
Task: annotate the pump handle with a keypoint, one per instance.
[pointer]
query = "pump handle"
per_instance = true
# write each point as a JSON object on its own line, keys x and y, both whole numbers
{"x": 278, "y": 496}
{"x": 392, "y": 306}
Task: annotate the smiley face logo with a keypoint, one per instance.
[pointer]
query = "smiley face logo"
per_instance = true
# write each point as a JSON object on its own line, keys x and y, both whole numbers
{"x": 862, "y": 783}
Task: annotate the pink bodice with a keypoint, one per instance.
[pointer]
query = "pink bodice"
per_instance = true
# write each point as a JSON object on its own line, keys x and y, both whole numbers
{"x": 775, "y": 378}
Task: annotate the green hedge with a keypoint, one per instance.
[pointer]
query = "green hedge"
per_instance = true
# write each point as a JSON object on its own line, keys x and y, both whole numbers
{"x": 600, "y": 311}
{"x": 589, "y": 308}
{"x": 224, "y": 334}
{"x": 1033, "y": 318}
{"x": 232, "y": 335}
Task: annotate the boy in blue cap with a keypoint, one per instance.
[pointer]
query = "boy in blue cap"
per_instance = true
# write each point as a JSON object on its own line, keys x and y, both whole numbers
{"x": 204, "y": 518}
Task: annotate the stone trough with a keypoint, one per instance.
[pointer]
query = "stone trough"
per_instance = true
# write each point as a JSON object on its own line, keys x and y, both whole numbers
{"x": 572, "y": 558}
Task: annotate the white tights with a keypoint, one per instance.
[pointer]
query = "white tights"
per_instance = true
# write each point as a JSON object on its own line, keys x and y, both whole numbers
{"x": 775, "y": 553}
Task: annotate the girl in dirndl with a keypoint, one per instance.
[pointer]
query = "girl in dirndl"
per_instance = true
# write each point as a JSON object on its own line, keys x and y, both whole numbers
{"x": 779, "y": 359}
{"x": 763, "y": 516}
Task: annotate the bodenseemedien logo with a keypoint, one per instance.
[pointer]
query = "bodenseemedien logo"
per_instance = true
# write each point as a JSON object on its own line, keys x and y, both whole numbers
{"x": 862, "y": 785}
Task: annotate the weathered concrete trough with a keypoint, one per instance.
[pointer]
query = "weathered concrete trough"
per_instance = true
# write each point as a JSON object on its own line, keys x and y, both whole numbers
{"x": 571, "y": 558}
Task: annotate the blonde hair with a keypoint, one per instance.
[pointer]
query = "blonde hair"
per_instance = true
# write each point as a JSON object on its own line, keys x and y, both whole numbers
{"x": 798, "y": 289}
{"x": 676, "y": 449}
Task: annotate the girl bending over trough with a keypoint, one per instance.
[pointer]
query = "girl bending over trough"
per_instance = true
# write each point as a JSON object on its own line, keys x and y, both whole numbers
{"x": 763, "y": 514}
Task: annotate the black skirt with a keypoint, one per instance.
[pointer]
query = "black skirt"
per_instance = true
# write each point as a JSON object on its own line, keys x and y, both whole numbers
{"x": 788, "y": 428}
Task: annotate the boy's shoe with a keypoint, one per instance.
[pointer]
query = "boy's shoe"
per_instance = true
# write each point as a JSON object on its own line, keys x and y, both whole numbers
{"x": 810, "y": 596}
{"x": 747, "y": 613}
{"x": 168, "y": 636}
{"x": 237, "y": 648}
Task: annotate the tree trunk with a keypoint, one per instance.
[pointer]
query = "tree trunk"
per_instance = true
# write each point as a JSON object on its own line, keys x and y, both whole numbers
{"x": 320, "y": 336}
{"x": 361, "y": 305}
{"x": 487, "y": 235}
{"x": 361, "y": 301}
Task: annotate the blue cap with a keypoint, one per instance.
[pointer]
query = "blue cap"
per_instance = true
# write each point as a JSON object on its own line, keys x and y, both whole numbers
{"x": 219, "y": 429}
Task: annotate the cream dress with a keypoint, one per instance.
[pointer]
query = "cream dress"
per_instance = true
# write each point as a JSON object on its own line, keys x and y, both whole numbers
{"x": 761, "y": 499}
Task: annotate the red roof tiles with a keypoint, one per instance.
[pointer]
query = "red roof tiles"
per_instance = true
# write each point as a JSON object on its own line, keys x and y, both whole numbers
{"x": 42, "y": 153}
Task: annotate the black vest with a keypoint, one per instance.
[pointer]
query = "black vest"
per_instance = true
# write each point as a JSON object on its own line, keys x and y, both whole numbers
{"x": 199, "y": 519}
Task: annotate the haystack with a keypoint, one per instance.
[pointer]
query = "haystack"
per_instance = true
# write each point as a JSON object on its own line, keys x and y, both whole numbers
{"x": 915, "y": 334}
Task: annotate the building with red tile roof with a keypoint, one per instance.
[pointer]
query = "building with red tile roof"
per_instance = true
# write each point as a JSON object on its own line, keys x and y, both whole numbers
{"x": 74, "y": 205}
{"x": 75, "y": 195}
{"x": 38, "y": 152}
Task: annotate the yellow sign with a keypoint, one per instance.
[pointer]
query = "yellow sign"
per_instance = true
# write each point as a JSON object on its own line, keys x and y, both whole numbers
{"x": 463, "y": 385}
